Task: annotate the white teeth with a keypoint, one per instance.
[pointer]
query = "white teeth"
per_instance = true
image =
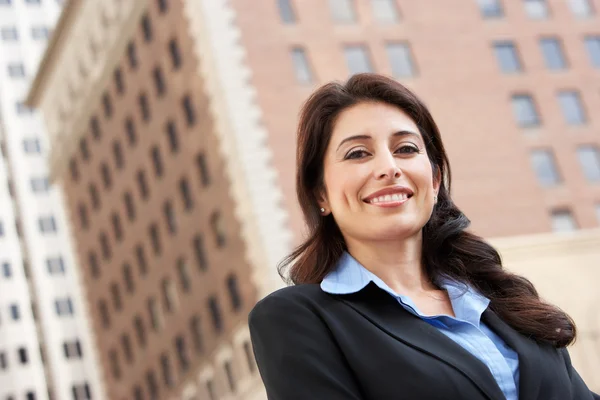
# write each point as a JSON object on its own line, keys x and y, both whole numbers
{"x": 389, "y": 198}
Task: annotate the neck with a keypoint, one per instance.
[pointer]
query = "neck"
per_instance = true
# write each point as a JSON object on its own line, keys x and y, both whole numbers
{"x": 397, "y": 263}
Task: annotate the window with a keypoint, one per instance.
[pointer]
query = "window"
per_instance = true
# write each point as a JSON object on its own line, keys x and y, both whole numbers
{"x": 113, "y": 358}
{"x": 130, "y": 131}
{"x": 170, "y": 218}
{"x": 589, "y": 159}
{"x": 507, "y": 56}
{"x": 491, "y": 8}
{"x": 117, "y": 228}
{"x": 215, "y": 313}
{"x": 9, "y": 33}
{"x": 6, "y": 270}
{"x": 163, "y": 6}
{"x": 525, "y": 111}
{"x": 138, "y": 393}
{"x": 107, "y": 105}
{"x": 40, "y": 32}
{"x": 36, "y": 2}
{"x": 115, "y": 293}
{"x": 146, "y": 28}
{"x": 47, "y": 224}
{"x": 144, "y": 106}
{"x": 94, "y": 264}
{"x": 400, "y": 58}
{"x": 183, "y": 271}
{"x": 342, "y": 11}
{"x": 156, "y": 317}
{"x": 16, "y": 70}
{"x": 592, "y": 44}
{"x": 22, "y": 109}
{"x": 196, "y": 330}
{"x": 218, "y": 228}
{"x": 172, "y": 137}
{"x": 81, "y": 391}
{"x": 175, "y": 53}
{"x": 119, "y": 82}
{"x": 357, "y": 59}
{"x": 544, "y": 166}
{"x": 23, "y": 356}
{"x": 142, "y": 185}
{"x": 536, "y": 9}
{"x": 127, "y": 350}
{"x": 15, "y": 314}
{"x": 210, "y": 389}
{"x": 140, "y": 330}
{"x": 84, "y": 220}
{"x": 572, "y": 107}
{"x": 553, "y": 53}
{"x": 154, "y": 233}
{"x": 83, "y": 149}
{"x": 118, "y": 154}
{"x": 128, "y": 278}
{"x": 30, "y": 395}
{"x": 72, "y": 349}
{"x": 301, "y": 66}
{"x": 229, "y": 374}
{"x": 166, "y": 370}
{"x": 105, "y": 246}
{"x": 132, "y": 55}
{"x": 286, "y": 11}
{"x": 152, "y": 385}
{"x": 198, "y": 244}
{"x": 140, "y": 256}
{"x": 55, "y": 265}
{"x": 182, "y": 355}
{"x": 234, "y": 293}
{"x": 32, "y": 145}
{"x": 189, "y": 111}
{"x": 186, "y": 194}
{"x": 1, "y": 229}
{"x": 203, "y": 169}
{"x": 105, "y": 173}
{"x": 385, "y": 11}
{"x": 95, "y": 124}
{"x": 159, "y": 81}
{"x": 582, "y": 8}
{"x": 129, "y": 206}
{"x": 563, "y": 221}
{"x": 170, "y": 299}
{"x": 157, "y": 161}
{"x": 249, "y": 356}
{"x": 73, "y": 169}
{"x": 3, "y": 361}
{"x": 94, "y": 196}
{"x": 104, "y": 314}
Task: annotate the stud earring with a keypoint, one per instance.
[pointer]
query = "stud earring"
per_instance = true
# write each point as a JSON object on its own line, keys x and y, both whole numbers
{"x": 435, "y": 199}
{"x": 322, "y": 210}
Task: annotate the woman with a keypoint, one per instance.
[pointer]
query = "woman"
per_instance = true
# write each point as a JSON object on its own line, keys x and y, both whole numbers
{"x": 393, "y": 299}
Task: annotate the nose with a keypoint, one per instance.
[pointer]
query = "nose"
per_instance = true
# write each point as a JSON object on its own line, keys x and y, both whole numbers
{"x": 386, "y": 167}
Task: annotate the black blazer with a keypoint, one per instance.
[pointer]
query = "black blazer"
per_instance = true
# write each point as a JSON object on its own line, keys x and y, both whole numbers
{"x": 311, "y": 345}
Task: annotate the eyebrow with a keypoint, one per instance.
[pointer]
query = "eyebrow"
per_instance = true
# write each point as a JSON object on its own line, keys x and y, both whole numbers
{"x": 368, "y": 137}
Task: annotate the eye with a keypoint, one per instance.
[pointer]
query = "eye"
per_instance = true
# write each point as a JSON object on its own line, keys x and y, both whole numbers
{"x": 407, "y": 149}
{"x": 356, "y": 154}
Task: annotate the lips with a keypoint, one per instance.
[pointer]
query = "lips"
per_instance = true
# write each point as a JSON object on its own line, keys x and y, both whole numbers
{"x": 391, "y": 194}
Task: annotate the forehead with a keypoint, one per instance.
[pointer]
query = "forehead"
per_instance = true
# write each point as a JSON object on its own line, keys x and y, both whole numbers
{"x": 372, "y": 118}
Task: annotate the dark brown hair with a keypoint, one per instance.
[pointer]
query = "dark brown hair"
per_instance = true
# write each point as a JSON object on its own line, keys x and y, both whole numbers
{"x": 448, "y": 249}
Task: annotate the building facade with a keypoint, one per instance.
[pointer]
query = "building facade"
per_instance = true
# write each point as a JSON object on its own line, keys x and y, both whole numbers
{"x": 173, "y": 123}
{"x": 46, "y": 347}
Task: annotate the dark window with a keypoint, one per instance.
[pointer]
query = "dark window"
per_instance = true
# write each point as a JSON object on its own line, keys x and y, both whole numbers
{"x": 401, "y": 60}
{"x": 229, "y": 374}
{"x": 170, "y": 300}
{"x": 491, "y": 8}
{"x": 30, "y": 396}
{"x": 117, "y": 228}
{"x": 186, "y": 194}
{"x": 156, "y": 316}
{"x": 118, "y": 154}
{"x": 119, "y": 83}
{"x": 203, "y": 169}
{"x": 215, "y": 314}
{"x": 196, "y": 329}
{"x": 132, "y": 55}
{"x": 589, "y": 159}
{"x": 182, "y": 355}
{"x": 163, "y": 5}
{"x": 234, "y": 293}
{"x": 104, "y": 315}
{"x": 127, "y": 350}
{"x": 507, "y": 56}
{"x": 152, "y": 385}
{"x": 94, "y": 264}
{"x": 15, "y": 314}
{"x": 6, "y": 270}
{"x": 106, "y": 178}
{"x": 128, "y": 278}
{"x": 83, "y": 149}
{"x": 157, "y": 161}
{"x": 525, "y": 111}
{"x": 544, "y": 166}
{"x": 107, "y": 105}
{"x": 94, "y": 196}
{"x": 39, "y": 185}
{"x": 83, "y": 216}
{"x": 592, "y": 44}
{"x": 200, "y": 252}
{"x": 286, "y": 11}
{"x": 95, "y": 124}
{"x": 138, "y": 393}
{"x": 154, "y": 233}
{"x": 553, "y": 53}
{"x": 140, "y": 330}
{"x": 249, "y": 356}
{"x": 147, "y": 28}
{"x": 357, "y": 59}
{"x": 74, "y": 170}
{"x": 175, "y": 53}
{"x": 159, "y": 81}
{"x": 105, "y": 246}
{"x": 3, "y": 361}
{"x": 47, "y": 224}
{"x": 189, "y": 111}
{"x": 140, "y": 256}
{"x": 172, "y": 136}
{"x": 130, "y": 131}
{"x": 55, "y": 265}
{"x": 572, "y": 107}
{"x": 142, "y": 185}
{"x": 218, "y": 227}
{"x": 144, "y": 106}
{"x": 302, "y": 66}
{"x": 170, "y": 218}
{"x": 113, "y": 358}
{"x": 183, "y": 271}
{"x": 129, "y": 206}
{"x": 72, "y": 349}
{"x": 115, "y": 293}
{"x": 166, "y": 370}
{"x": 23, "y": 356}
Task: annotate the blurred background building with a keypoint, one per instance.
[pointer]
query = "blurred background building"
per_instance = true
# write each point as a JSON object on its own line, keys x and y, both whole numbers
{"x": 172, "y": 126}
{"x": 46, "y": 349}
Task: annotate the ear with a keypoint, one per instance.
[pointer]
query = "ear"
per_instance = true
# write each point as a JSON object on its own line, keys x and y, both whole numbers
{"x": 437, "y": 181}
{"x": 322, "y": 200}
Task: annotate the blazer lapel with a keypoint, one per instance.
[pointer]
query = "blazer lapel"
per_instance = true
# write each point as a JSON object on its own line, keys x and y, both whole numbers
{"x": 528, "y": 351}
{"x": 387, "y": 314}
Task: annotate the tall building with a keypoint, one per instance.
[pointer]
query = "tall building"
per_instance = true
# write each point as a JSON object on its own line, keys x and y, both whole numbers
{"x": 46, "y": 347}
{"x": 173, "y": 123}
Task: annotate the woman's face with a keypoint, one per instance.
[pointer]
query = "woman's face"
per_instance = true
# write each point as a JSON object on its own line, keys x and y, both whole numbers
{"x": 379, "y": 183}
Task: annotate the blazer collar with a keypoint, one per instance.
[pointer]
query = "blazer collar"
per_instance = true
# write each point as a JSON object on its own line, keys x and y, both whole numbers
{"x": 387, "y": 314}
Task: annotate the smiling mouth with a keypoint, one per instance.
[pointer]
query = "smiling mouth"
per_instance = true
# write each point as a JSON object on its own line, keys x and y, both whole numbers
{"x": 389, "y": 200}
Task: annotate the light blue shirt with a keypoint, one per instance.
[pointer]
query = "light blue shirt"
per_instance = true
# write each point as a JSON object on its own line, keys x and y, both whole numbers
{"x": 466, "y": 328}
